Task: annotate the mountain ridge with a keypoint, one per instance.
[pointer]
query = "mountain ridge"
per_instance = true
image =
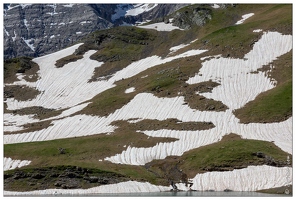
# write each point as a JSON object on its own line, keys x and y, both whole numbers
{"x": 38, "y": 29}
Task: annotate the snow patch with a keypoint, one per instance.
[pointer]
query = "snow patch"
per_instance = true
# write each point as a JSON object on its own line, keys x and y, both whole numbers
{"x": 129, "y": 90}
{"x": 13, "y": 38}
{"x": 85, "y": 22}
{"x": 244, "y": 17}
{"x": 161, "y": 26}
{"x": 252, "y": 178}
{"x": 140, "y": 8}
{"x": 176, "y": 48}
{"x": 70, "y": 5}
{"x": 120, "y": 11}
{"x": 57, "y": 90}
{"x": 210, "y": 57}
{"x": 28, "y": 42}
{"x": 9, "y": 164}
{"x": 78, "y": 33}
{"x": 54, "y": 6}
{"x": 257, "y": 30}
{"x": 26, "y": 23}
{"x": 52, "y": 36}
{"x": 23, "y": 5}
{"x": 6, "y": 32}
{"x": 215, "y": 6}
{"x": 123, "y": 187}
{"x": 69, "y": 111}
{"x": 10, "y": 8}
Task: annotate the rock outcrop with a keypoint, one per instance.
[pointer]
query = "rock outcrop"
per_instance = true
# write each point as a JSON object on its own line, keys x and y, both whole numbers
{"x": 37, "y": 29}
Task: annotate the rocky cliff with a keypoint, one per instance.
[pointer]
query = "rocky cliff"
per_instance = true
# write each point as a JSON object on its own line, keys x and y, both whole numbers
{"x": 38, "y": 29}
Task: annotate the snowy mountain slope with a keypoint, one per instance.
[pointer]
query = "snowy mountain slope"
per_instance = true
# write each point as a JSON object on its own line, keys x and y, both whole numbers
{"x": 239, "y": 81}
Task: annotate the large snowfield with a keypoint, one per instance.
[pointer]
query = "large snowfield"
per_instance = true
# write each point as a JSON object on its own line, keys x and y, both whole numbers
{"x": 68, "y": 88}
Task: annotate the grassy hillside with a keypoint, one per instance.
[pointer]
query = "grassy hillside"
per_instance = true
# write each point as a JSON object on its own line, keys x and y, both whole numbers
{"x": 119, "y": 47}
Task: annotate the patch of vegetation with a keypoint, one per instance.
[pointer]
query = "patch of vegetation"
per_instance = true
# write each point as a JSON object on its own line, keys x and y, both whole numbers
{"x": 20, "y": 92}
{"x": 39, "y": 112}
{"x": 71, "y": 58}
{"x": 274, "y": 105}
{"x": 23, "y": 65}
{"x": 107, "y": 102}
{"x": 91, "y": 148}
{"x": 171, "y": 124}
{"x": 230, "y": 153}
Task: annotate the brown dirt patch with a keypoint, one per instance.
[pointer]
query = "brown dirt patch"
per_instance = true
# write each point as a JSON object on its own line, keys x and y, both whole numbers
{"x": 20, "y": 92}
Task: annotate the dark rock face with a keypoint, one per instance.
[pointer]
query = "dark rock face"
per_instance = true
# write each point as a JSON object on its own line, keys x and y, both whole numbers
{"x": 38, "y": 29}
{"x": 65, "y": 177}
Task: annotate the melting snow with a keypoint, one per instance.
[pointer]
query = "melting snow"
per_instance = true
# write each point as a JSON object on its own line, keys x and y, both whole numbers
{"x": 123, "y": 187}
{"x": 244, "y": 17}
{"x": 6, "y": 32}
{"x": 129, "y": 90}
{"x": 120, "y": 11}
{"x": 9, "y": 164}
{"x": 23, "y": 5}
{"x": 252, "y": 178}
{"x": 161, "y": 26}
{"x": 10, "y": 8}
{"x": 70, "y": 5}
{"x": 176, "y": 48}
{"x": 14, "y": 122}
{"x": 140, "y": 8}
{"x": 26, "y": 23}
{"x": 54, "y": 6}
{"x": 85, "y": 22}
{"x": 13, "y": 38}
{"x": 257, "y": 30}
{"x": 28, "y": 43}
{"x": 215, "y": 6}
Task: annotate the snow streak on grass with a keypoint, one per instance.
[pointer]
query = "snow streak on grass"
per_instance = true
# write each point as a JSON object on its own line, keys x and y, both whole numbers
{"x": 238, "y": 84}
{"x": 244, "y": 17}
{"x": 13, "y": 164}
{"x": 161, "y": 26}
